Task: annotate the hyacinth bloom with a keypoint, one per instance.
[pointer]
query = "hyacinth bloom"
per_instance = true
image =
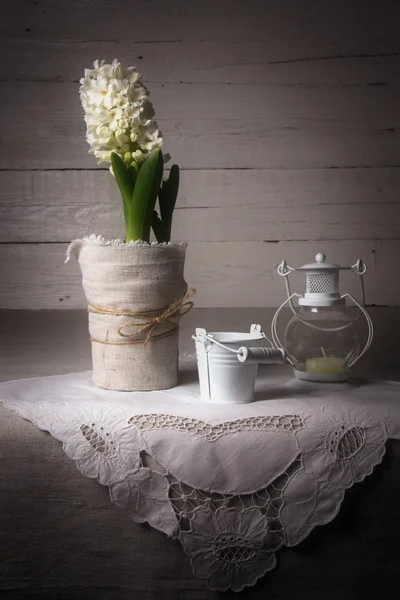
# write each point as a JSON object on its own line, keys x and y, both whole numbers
{"x": 118, "y": 113}
{"x": 120, "y": 129}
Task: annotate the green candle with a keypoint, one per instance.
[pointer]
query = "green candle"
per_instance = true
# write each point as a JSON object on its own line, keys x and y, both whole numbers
{"x": 325, "y": 365}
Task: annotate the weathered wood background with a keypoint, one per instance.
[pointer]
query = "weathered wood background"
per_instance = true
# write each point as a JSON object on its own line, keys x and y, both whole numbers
{"x": 284, "y": 116}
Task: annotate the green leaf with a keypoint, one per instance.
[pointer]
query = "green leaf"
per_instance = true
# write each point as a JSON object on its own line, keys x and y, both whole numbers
{"x": 125, "y": 177}
{"x": 167, "y": 198}
{"x": 158, "y": 228}
{"x": 144, "y": 196}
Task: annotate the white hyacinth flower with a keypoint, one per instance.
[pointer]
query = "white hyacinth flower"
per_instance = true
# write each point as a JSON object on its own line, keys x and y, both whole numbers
{"x": 118, "y": 114}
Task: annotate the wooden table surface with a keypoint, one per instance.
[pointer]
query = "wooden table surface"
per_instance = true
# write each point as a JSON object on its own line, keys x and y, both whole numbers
{"x": 50, "y": 342}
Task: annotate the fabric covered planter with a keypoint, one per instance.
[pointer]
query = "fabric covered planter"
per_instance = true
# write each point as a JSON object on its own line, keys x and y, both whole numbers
{"x": 136, "y": 293}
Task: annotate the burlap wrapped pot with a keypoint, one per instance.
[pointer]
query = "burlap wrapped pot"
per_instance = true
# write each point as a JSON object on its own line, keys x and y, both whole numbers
{"x": 136, "y": 293}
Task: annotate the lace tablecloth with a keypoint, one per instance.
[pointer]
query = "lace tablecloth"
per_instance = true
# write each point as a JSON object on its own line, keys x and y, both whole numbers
{"x": 232, "y": 483}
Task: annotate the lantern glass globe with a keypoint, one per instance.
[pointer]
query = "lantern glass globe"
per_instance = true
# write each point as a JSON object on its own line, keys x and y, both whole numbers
{"x": 322, "y": 342}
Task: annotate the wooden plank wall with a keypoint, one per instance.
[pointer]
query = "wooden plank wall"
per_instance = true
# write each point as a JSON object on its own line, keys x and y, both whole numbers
{"x": 283, "y": 115}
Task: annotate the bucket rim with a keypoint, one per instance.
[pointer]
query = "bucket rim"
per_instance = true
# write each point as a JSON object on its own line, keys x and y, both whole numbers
{"x": 235, "y": 337}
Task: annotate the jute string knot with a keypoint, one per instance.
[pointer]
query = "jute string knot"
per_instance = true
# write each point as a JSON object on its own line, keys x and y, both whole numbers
{"x": 154, "y": 318}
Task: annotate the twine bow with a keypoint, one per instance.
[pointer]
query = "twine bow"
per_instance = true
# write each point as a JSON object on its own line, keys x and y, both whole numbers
{"x": 154, "y": 318}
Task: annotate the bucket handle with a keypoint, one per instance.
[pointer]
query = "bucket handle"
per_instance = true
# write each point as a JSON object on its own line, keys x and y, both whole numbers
{"x": 211, "y": 339}
{"x": 261, "y": 355}
{"x": 240, "y": 350}
{"x": 257, "y": 355}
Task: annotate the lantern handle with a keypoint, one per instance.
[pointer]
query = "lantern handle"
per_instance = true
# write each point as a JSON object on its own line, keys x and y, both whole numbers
{"x": 274, "y": 333}
{"x": 360, "y": 268}
{"x": 370, "y": 328}
{"x": 283, "y": 269}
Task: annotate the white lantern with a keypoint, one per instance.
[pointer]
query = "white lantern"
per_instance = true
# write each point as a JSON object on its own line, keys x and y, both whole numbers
{"x": 321, "y": 340}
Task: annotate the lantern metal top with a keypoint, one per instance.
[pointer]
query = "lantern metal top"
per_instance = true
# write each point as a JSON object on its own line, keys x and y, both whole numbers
{"x": 320, "y": 264}
{"x": 322, "y": 280}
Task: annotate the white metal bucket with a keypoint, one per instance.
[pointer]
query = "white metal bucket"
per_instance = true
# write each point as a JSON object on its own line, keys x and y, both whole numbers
{"x": 223, "y": 378}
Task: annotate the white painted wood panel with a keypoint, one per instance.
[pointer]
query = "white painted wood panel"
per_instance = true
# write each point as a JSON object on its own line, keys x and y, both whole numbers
{"x": 210, "y": 188}
{"x": 227, "y": 205}
{"x": 256, "y": 102}
{"x": 225, "y": 274}
{"x": 200, "y": 62}
{"x": 307, "y": 25}
{"x": 240, "y": 223}
{"x": 224, "y": 127}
